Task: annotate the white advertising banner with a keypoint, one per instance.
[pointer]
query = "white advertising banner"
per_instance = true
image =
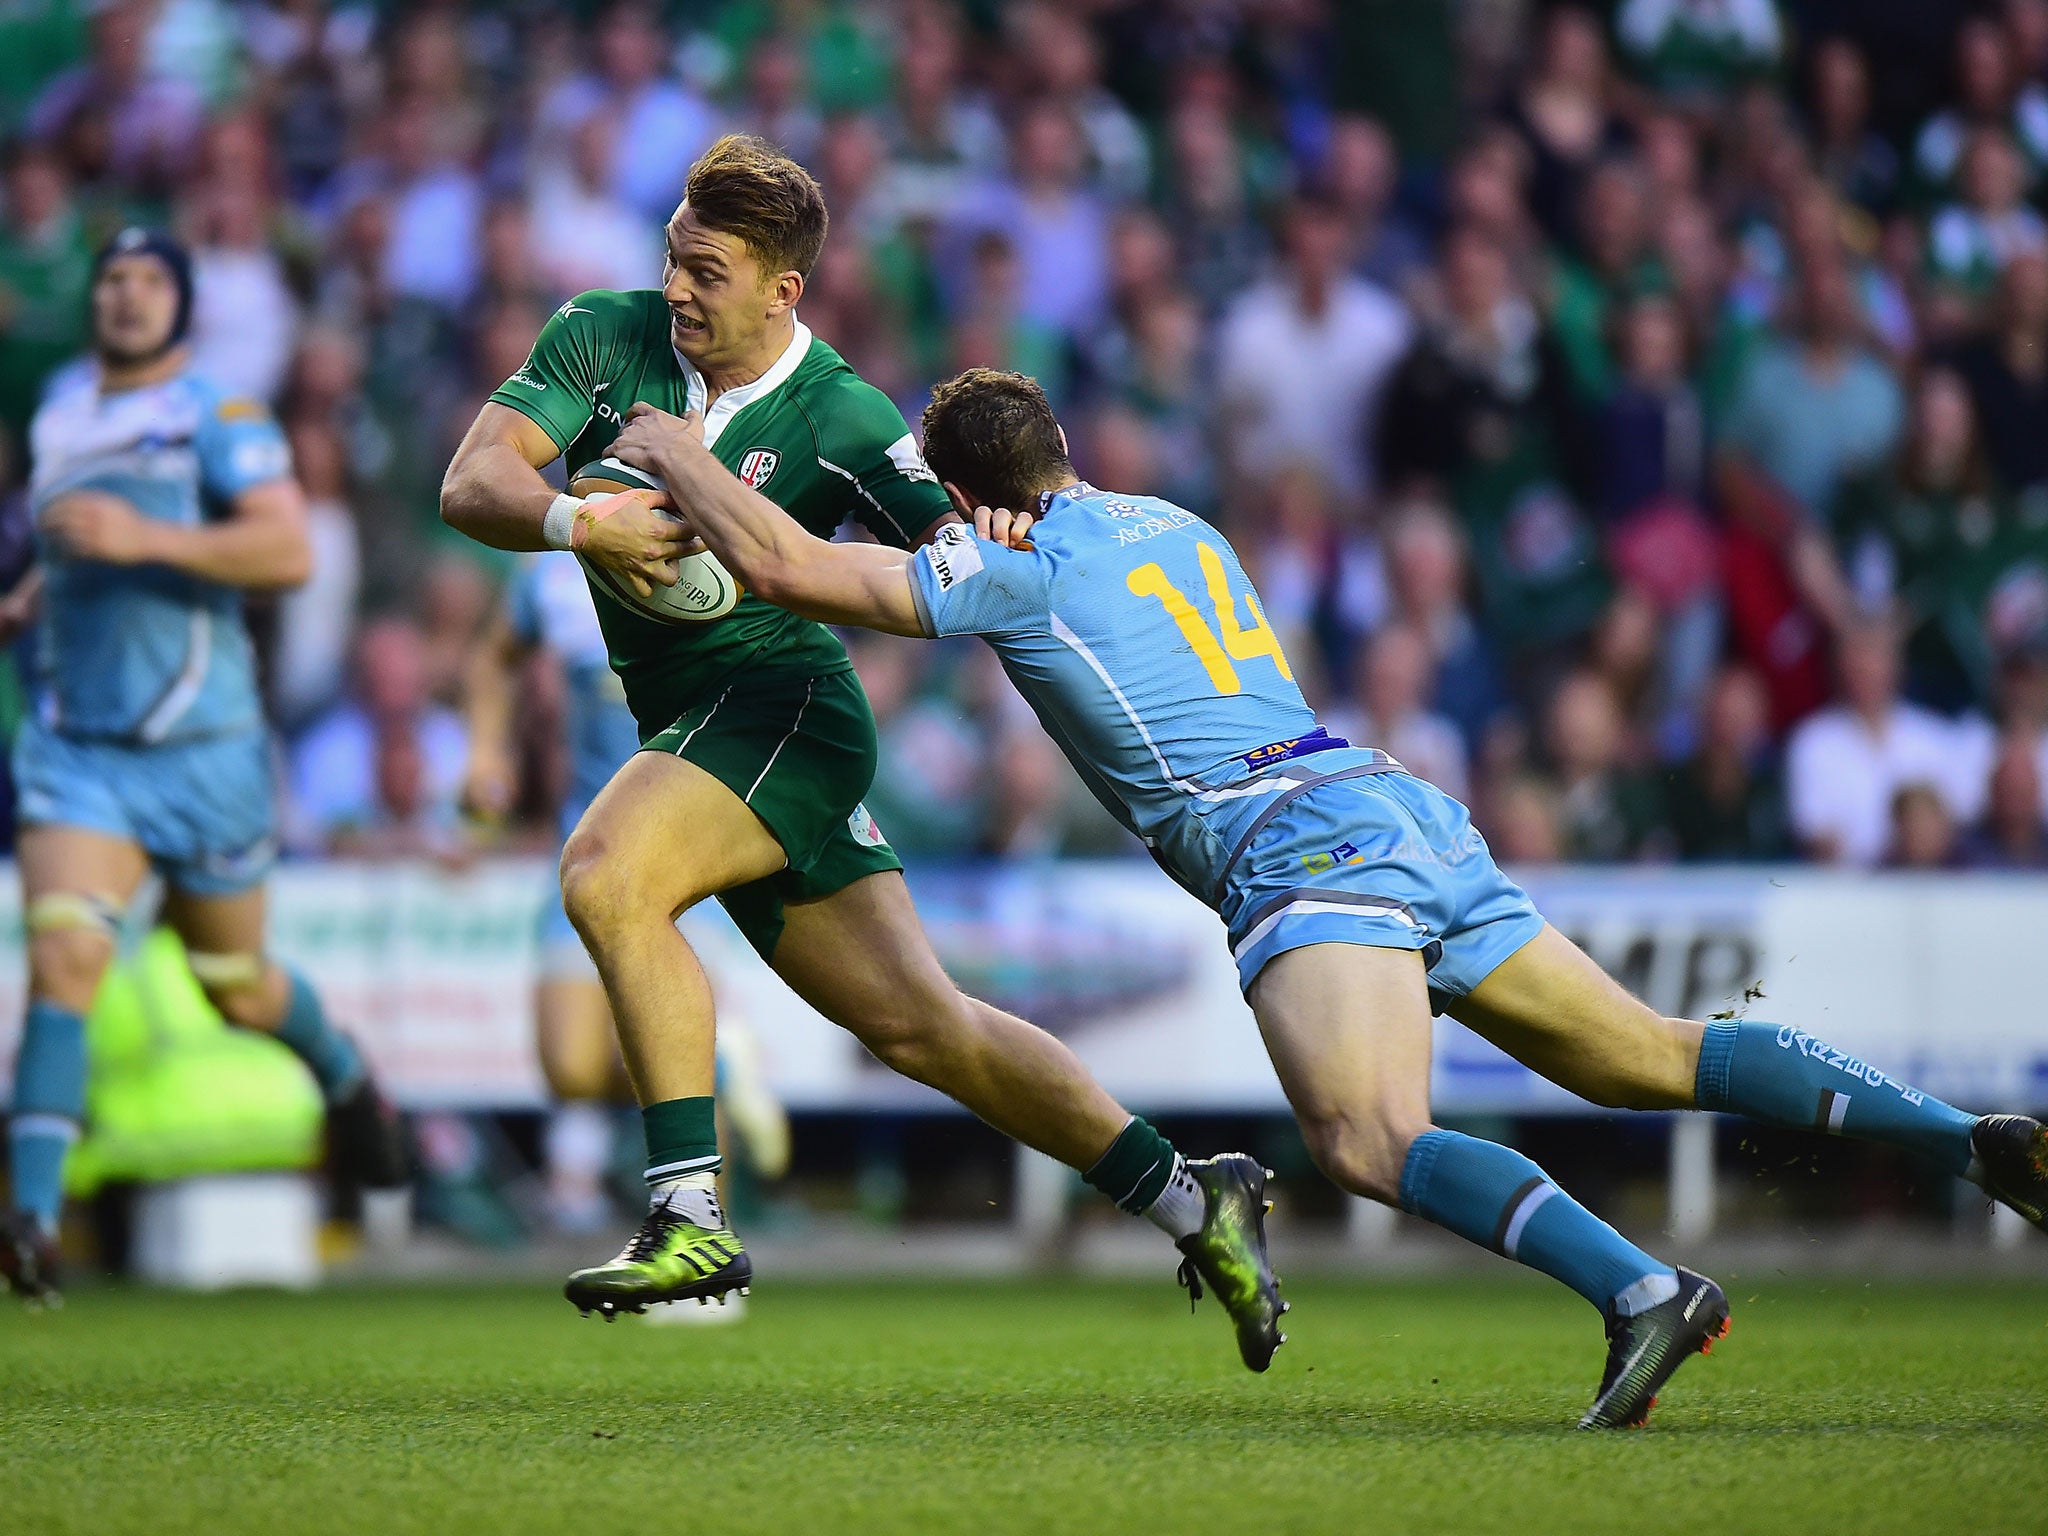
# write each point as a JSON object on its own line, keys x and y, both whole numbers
{"x": 1936, "y": 979}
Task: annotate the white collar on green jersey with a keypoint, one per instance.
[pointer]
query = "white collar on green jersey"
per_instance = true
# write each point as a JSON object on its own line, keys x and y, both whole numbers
{"x": 733, "y": 401}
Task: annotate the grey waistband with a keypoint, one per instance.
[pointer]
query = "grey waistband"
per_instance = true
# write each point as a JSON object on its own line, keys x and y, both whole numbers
{"x": 1383, "y": 763}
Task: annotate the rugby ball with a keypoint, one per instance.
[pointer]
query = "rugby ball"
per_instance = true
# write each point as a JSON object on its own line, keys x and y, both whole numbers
{"x": 704, "y": 589}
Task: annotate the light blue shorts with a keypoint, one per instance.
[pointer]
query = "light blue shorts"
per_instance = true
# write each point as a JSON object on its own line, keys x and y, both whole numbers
{"x": 1382, "y": 859}
{"x": 202, "y": 810}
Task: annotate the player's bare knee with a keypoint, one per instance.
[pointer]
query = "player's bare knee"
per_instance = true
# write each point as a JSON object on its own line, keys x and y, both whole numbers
{"x": 607, "y": 884}
{"x": 1654, "y": 1072}
{"x": 70, "y": 944}
{"x": 244, "y": 987}
{"x": 905, "y": 1042}
{"x": 919, "y": 1031}
{"x": 898, "y": 1045}
{"x": 1362, "y": 1152}
{"x": 65, "y": 965}
{"x": 596, "y": 892}
{"x": 245, "y": 1004}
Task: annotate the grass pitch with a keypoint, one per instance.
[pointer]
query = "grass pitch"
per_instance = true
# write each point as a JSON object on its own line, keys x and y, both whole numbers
{"x": 994, "y": 1408}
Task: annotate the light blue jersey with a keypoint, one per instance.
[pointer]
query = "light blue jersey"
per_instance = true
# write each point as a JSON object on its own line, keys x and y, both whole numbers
{"x": 148, "y": 725}
{"x": 1134, "y": 634}
{"x": 1132, "y": 630}
{"x": 145, "y": 654}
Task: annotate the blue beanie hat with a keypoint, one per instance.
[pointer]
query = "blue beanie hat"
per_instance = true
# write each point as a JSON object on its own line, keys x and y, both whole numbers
{"x": 137, "y": 241}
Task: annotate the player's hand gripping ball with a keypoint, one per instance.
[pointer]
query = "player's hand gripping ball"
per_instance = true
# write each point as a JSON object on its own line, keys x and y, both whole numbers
{"x": 704, "y": 590}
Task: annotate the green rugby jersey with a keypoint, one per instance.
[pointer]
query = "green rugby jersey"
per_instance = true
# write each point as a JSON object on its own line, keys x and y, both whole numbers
{"x": 810, "y": 434}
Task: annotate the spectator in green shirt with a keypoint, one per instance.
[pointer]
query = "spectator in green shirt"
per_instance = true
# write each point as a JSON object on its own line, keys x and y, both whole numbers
{"x": 1971, "y": 241}
{"x": 1967, "y": 562}
{"x": 45, "y": 262}
{"x": 1610, "y": 811}
{"x": 1480, "y": 412}
{"x": 1615, "y": 264}
{"x": 1726, "y": 802}
{"x": 1698, "y": 51}
{"x": 39, "y": 40}
{"x": 1992, "y": 91}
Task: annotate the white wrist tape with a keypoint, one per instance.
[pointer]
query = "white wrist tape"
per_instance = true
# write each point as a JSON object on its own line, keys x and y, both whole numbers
{"x": 558, "y": 528}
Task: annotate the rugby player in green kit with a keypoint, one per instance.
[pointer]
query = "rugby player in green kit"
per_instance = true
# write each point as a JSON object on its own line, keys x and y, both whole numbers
{"x": 758, "y": 745}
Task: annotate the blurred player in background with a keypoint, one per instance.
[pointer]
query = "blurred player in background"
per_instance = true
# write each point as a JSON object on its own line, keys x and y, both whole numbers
{"x": 549, "y": 609}
{"x": 157, "y": 503}
{"x": 758, "y": 744}
{"x": 1359, "y": 900}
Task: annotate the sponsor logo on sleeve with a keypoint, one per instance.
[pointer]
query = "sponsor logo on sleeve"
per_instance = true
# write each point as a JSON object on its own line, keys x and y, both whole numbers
{"x": 909, "y": 462}
{"x": 262, "y": 460}
{"x": 862, "y": 826}
{"x": 241, "y": 409}
{"x": 756, "y": 465}
{"x": 954, "y": 555}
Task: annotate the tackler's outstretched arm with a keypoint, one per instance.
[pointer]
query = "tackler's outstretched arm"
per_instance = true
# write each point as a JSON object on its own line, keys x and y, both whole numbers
{"x": 762, "y": 545}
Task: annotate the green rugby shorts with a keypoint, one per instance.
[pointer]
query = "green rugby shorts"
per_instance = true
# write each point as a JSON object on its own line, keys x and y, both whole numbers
{"x": 800, "y": 751}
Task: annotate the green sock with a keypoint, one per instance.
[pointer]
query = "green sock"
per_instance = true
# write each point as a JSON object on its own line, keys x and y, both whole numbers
{"x": 1136, "y": 1168}
{"x": 682, "y": 1138}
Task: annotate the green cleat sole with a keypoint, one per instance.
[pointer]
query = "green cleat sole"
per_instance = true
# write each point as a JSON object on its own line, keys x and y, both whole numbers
{"x": 608, "y": 1301}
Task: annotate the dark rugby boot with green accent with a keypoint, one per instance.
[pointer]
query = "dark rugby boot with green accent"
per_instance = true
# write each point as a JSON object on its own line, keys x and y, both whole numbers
{"x": 2012, "y": 1159}
{"x": 1229, "y": 1253}
{"x": 1643, "y": 1351}
{"x": 367, "y": 1140}
{"x": 668, "y": 1259}
{"x": 28, "y": 1260}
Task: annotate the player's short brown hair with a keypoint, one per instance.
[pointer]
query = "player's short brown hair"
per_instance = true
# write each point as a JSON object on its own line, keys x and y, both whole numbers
{"x": 994, "y": 435}
{"x": 746, "y": 187}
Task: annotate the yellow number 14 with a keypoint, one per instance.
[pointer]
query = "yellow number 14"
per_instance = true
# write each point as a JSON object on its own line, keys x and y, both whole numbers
{"x": 1237, "y": 643}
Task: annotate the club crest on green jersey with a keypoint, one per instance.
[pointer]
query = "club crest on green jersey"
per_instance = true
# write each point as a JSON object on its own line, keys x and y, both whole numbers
{"x": 756, "y": 465}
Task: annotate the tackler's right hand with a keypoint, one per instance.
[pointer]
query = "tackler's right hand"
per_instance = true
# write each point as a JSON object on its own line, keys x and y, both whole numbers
{"x": 630, "y": 535}
{"x": 999, "y": 525}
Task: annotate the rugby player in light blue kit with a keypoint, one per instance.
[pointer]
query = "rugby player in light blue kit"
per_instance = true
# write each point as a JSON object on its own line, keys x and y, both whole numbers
{"x": 1358, "y": 900}
{"x": 157, "y": 503}
{"x": 548, "y": 608}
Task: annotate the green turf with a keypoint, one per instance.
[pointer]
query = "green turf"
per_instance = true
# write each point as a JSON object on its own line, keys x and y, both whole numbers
{"x": 1012, "y": 1408}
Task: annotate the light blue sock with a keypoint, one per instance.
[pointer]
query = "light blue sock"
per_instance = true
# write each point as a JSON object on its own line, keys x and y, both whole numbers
{"x": 336, "y": 1064}
{"x": 49, "y": 1106}
{"x": 1784, "y": 1076}
{"x": 1495, "y": 1197}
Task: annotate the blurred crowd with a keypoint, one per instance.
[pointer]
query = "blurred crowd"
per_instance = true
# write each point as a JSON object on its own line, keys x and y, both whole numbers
{"x": 1635, "y": 416}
